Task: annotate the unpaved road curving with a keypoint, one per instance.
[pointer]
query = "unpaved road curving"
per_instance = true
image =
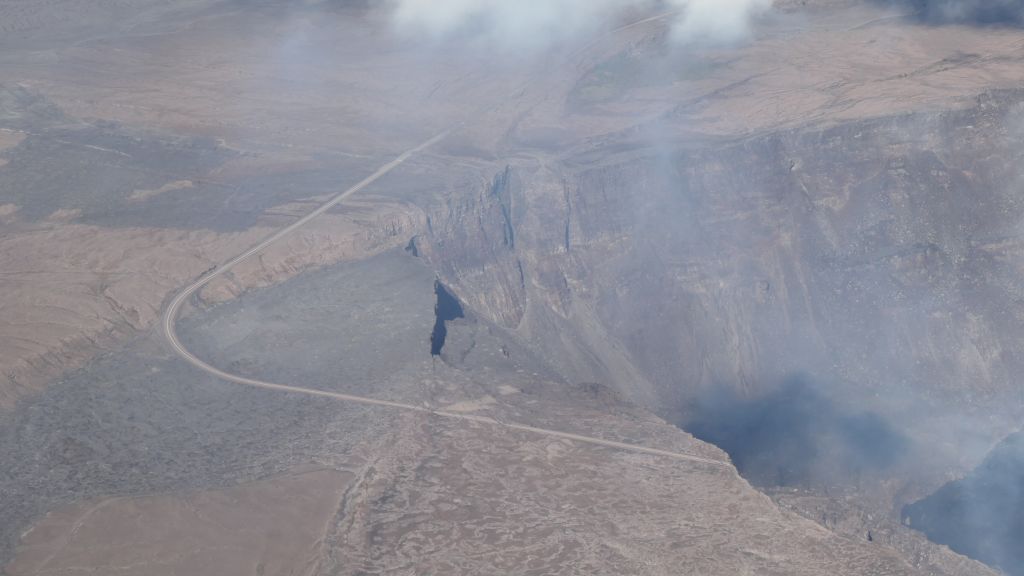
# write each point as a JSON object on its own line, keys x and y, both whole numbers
{"x": 170, "y": 316}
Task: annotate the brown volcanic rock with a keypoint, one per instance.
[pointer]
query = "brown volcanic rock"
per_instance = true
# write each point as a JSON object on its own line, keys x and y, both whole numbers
{"x": 620, "y": 247}
{"x": 459, "y": 500}
{"x": 469, "y": 501}
{"x": 271, "y": 527}
{"x": 73, "y": 290}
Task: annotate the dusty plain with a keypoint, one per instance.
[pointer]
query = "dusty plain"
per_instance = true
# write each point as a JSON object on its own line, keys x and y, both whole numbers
{"x": 136, "y": 157}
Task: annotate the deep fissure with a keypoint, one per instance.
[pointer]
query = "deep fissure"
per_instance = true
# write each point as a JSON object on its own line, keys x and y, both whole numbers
{"x": 446, "y": 309}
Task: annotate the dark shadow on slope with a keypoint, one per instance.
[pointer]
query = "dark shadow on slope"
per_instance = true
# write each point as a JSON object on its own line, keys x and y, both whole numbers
{"x": 446, "y": 310}
{"x": 976, "y": 12}
{"x": 796, "y": 436}
{"x": 1007, "y": 12}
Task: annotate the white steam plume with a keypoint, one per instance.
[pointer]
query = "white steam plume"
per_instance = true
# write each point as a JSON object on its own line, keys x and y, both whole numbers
{"x": 716, "y": 21}
{"x": 519, "y": 24}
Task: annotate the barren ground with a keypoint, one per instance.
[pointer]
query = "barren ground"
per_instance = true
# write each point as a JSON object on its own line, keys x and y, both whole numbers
{"x": 135, "y": 157}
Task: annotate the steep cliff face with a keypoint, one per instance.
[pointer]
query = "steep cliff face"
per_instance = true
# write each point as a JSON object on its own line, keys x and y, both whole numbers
{"x": 883, "y": 253}
{"x": 473, "y": 239}
{"x": 874, "y": 260}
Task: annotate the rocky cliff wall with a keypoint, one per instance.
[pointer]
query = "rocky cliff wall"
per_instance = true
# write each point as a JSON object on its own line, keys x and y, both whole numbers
{"x": 878, "y": 262}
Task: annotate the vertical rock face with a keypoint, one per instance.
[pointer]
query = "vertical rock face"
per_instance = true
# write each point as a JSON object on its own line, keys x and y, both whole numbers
{"x": 879, "y": 257}
{"x": 472, "y": 238}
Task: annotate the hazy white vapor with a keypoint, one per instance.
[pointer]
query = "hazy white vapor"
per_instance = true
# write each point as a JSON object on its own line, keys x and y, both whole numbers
{"x": 717, "y": 21}
{"x": 534, "y": 23}
{"x": 510, "y": 23}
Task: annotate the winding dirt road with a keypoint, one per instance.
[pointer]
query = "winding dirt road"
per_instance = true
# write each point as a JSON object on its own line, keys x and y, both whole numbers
{"x": 170, "y": 316}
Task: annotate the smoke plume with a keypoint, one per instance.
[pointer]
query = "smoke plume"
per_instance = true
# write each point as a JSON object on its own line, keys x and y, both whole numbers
{"x": 525, "y": 24}
{"x": 797, "y": 436}
{"x": 716, "y": 21}
{"x": 981, "y": 516}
